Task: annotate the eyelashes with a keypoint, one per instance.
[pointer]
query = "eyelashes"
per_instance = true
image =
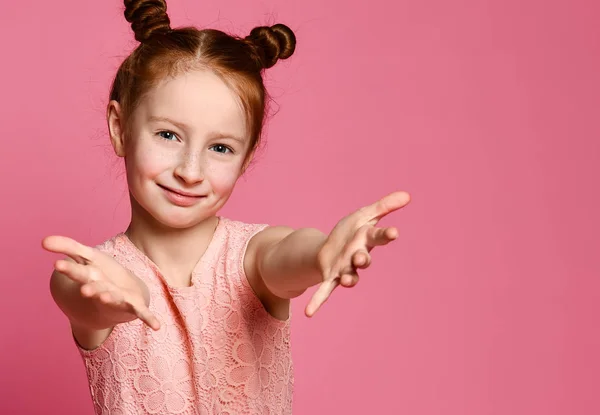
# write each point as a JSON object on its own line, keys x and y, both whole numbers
{"x": 168, "y": 135}
{"x": 217, "y": 148}
{"x": 222, "y": 148}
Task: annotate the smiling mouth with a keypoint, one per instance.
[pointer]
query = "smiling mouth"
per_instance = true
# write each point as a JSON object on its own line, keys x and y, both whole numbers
{"x": 180, "y": 192}
{"x": 184, "y": 200}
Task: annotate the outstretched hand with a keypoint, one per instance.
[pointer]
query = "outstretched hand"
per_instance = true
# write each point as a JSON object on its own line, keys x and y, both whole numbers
{"x": 103, "y": 279}
{"x": 348, "y": 246}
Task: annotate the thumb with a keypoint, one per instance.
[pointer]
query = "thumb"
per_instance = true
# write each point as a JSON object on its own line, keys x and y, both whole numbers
{"x": 385, "y": 205}
{"x": 320, "y": 296}
{"x": 68, "y": 246}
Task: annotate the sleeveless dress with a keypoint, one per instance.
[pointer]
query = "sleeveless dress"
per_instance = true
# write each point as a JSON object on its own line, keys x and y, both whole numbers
{"x": 218, "y": 350}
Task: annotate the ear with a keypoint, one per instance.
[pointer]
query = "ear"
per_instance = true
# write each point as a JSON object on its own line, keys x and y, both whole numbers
{"x": 116, "y": 128}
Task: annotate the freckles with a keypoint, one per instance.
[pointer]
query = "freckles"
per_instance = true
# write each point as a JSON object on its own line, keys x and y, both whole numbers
{"x": 222, "y": 178}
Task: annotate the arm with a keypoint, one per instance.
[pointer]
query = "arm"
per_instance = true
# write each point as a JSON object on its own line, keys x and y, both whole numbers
{"x": 95, "y": 292}
{"x": 286, "y": 259}
{"x": 87, "y": 312}
{"x": 90, "y": 324}
{"x": 283, "y": 263}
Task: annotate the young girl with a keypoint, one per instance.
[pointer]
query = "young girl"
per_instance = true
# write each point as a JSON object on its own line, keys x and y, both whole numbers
{"x": 187, "y": 312}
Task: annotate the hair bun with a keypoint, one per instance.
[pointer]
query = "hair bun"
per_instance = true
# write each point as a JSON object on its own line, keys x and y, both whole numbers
{"x": 147, "y": 17}
{"x": 273, "y": 43}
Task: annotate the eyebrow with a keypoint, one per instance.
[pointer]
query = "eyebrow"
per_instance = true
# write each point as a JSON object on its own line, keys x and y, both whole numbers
{"x": 221, "y": 136}
{"x": 215, "y": 135}
{"x": 179, "y": 125}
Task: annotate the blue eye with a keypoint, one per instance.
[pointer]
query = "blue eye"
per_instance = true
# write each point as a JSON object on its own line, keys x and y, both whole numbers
{"x": 167, "y": 135}
{"x": 220, "y": 148}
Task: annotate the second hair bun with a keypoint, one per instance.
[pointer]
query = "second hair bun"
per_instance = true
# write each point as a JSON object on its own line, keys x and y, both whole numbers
{"x": 273, "y": 43}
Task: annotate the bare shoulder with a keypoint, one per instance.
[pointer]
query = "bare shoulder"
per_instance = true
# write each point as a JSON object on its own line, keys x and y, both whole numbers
{"x": 269, "y": 236}
{"x": 258, "y": 244}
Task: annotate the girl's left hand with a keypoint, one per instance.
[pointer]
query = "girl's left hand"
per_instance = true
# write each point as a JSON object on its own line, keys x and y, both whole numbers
{"x": 348, "y": 246}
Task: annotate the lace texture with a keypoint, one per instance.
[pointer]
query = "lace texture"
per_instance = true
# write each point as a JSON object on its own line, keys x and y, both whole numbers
{"x": 218, "y": 351}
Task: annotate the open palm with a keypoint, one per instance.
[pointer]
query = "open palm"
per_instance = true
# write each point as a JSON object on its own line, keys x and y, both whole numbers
{"x": 102, "y": 278}
{"x": 348, "y": 246}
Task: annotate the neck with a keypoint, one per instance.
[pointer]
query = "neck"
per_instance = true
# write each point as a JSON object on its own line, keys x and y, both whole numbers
{"x": 173, "y": 250}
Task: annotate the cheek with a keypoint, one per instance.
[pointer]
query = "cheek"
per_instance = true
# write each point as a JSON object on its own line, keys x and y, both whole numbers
{"x": 223, "y": 177}
{"x": 148, "y": 161}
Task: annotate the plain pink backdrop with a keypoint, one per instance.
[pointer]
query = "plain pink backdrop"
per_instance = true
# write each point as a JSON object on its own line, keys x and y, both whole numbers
{"x": 485, "y": 111}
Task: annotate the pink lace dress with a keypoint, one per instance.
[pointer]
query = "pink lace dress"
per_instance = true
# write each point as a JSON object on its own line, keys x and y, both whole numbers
{"x": 218, "y": 351}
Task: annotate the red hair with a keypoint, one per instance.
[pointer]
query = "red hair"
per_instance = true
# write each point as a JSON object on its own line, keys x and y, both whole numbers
{"x": 164, "y": 52}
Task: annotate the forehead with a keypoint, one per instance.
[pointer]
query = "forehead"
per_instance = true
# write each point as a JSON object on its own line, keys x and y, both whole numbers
{"x": 199, "y": 99}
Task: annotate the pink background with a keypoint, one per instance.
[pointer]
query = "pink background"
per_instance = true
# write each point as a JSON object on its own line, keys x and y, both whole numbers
{"x": 485, "y": 111}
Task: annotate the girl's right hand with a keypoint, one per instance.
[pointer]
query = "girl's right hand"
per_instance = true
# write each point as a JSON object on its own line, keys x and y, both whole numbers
{"x": 103, "y": 279}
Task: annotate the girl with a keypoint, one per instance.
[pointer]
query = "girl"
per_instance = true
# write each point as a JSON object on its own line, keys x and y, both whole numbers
{"x": 188, "y": 312}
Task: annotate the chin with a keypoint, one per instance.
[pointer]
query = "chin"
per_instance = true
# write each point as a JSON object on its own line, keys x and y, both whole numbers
{"x": 181, "y": 220}
{"x": 166, "y": 214}
{"x": 174, "y": 217}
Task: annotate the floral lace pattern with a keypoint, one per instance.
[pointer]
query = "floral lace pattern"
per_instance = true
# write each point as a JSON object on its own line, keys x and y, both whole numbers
{"x": 218, "y": 351}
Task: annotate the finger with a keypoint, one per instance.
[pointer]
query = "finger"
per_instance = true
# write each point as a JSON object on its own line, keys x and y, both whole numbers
{"x": 95, "y": 288}
{"x": 320, "y": 296}
{"x": 361, "y": 259}
{"x": 80, "y": 273}
{"x": 349, "y": 279}
{"x": 67, "y": 246}
{"x": 385, "y": 205}
{"x": 144, "y": 314}
{"x": 106, "y": 297}
{"x": 380, "y": 236}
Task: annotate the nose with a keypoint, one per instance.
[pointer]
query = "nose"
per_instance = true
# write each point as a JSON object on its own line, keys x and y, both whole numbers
{"x": 190, "y": 168}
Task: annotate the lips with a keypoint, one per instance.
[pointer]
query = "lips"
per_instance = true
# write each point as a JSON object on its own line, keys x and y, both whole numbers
{"x": 180, "y": 198}
{"x": 180, "y": 192}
